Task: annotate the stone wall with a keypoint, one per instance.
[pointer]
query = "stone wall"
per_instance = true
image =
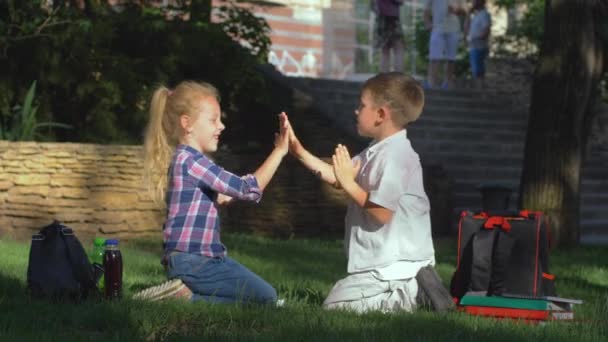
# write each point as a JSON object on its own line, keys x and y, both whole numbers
{"x": 87, "y": 187}
{"x": 98, "y": 190}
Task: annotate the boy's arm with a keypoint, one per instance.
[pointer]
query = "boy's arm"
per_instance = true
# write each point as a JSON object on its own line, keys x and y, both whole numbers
{"x": 345, "y": 173}
{"x": 320, "y": 168}
{"x": 360, "y": 196}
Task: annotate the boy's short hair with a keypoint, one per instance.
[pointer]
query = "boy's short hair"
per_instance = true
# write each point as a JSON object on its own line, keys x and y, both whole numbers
{"x": 400, "y": 92}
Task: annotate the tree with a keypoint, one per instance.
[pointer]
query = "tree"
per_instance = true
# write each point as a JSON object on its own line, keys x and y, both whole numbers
{"x": 200, "y": 10}
{"x": 565, "y": 86}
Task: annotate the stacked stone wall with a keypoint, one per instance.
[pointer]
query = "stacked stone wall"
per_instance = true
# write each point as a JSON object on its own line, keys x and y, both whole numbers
{"x": 99, "y": 190}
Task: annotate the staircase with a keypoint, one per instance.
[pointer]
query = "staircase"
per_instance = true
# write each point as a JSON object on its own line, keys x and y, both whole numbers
{"x": 476, "y": 136}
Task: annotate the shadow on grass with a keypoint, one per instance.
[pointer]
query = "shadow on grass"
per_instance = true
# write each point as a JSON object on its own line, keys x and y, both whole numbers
{"x": 320, "y": 261}
{"x": 593, "y": 256}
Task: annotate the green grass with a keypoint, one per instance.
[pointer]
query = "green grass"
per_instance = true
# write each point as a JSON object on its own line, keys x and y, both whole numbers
{"x": 303, "y": 271}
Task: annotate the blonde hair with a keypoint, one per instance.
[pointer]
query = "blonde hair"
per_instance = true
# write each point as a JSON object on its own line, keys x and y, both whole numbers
{"x": 164, "y": 130}
{"x": 400, "y": 92}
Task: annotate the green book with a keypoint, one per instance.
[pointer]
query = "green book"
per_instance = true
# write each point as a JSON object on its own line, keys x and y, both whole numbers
{"x": 520, "y": 302}
{"x": 505, "y": 302}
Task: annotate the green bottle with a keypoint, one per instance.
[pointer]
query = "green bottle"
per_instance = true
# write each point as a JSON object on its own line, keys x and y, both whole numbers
{"x": 97, "y": 253}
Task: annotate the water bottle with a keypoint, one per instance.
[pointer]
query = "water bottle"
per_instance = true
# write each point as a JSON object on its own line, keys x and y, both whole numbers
{"x": 112, "y": 265}
{"x": 99, "y": 249}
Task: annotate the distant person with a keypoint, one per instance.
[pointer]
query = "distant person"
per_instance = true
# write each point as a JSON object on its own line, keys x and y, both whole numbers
{"x": 184, "y": 128}
{"x": 388, "y": 230}
{"x": 441, "y": 17}
{"x": 388, "y": 34}
{"x": 477, "y": 27}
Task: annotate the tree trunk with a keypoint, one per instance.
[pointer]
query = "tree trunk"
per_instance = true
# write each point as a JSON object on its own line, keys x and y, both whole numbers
{"x": 563, "y": 90}
{"x": 200, "y": 10}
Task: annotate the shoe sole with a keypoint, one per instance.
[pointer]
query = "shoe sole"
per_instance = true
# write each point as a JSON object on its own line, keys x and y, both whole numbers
{"x": 170, "y": 290}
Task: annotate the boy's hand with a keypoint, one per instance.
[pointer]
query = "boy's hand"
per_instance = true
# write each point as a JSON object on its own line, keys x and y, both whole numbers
{"x": 344, "y": 169}
{"x": 281, "y": 139}
{"x": 295, "y": 147}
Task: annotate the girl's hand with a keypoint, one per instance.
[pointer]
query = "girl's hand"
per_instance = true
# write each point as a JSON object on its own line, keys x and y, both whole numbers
{"x": 281, "y": 139}
{"x": 223, "y": 199}
{"x": 344, "y": 170}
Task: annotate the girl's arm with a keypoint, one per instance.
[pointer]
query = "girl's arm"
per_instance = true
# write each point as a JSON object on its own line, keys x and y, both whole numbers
{"x": 249, "y": 187}
{"x": 281, "y": 146}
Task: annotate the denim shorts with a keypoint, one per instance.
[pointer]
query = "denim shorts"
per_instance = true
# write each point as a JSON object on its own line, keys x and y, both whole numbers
{"x": 219, "y": 279}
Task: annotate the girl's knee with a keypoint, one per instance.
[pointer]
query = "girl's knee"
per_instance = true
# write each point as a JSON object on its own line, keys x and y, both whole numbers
{"x": 267, "y": 294}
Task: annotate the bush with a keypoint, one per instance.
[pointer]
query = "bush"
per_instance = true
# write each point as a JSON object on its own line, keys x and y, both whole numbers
{"x": 96, "y": 69}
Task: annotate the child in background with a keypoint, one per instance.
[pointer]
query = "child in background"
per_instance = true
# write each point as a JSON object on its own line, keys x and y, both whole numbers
{"x": 387, "y": 225}
{"x": 185, "y": 126}
{"x": 477, "y": 27}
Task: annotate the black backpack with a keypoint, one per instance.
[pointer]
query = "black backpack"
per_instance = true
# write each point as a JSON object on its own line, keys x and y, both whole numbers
{"x": 59, "y": 268}
{"x": 503, "y": 253}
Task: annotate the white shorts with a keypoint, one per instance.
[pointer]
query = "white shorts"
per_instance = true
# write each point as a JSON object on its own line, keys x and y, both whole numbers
{"x": 443, "y": 45}
{"x": 363, "y": 292}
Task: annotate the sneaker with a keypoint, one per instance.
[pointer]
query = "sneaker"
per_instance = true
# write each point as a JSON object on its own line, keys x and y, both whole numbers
{"x": 432, "y": 295}
{"x": 173, "y": 288}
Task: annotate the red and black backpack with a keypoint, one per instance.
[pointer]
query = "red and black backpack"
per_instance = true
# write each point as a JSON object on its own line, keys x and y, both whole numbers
{"x": 503, "y": 253}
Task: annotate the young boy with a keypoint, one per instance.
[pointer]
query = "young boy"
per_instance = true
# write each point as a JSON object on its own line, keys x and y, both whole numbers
{"x": 388, "y": 231}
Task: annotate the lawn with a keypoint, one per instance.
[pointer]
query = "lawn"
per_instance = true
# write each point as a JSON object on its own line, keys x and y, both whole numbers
{"x": 303, "y": 272}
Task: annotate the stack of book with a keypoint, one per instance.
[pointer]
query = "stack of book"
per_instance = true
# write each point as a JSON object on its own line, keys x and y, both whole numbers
{"x": 519, "y": 307}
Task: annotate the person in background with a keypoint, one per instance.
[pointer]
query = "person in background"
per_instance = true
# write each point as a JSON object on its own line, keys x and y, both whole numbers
{"x": 477, "y": 28}
{"x": 442, "y": 18}
{"x": 388, "y": 34}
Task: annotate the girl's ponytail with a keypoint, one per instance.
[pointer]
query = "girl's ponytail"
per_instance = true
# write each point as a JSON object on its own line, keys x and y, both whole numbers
{"x": 158, "y": 149}
{"x": 164, "y": 131}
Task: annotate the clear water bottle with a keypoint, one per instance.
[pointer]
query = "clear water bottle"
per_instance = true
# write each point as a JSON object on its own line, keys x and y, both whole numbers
{"x": 112, "y": 265}
{"x": 97, "y": 253}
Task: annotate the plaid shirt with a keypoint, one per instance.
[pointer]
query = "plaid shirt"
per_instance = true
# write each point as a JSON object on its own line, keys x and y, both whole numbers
{"x": 193, "y": 222}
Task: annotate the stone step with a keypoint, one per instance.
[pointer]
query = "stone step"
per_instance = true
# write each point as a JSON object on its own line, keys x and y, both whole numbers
{"x": 436, "y": 129}
{"x": 474, "y": 159}
{"x": 479, "y": 125}
{"x": 472, "y": 110}
{"x": 354, "y": 87}
{"x": 594, "y": 232}
{"x": 488, "y": 146}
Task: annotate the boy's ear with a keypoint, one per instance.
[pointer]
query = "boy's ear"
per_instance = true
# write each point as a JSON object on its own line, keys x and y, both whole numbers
{"x": 383, "y": 114}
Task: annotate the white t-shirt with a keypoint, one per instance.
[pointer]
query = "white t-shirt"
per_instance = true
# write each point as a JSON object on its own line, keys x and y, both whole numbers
{"x": 443, "y": 20}
{"x": 391, "y": 173}
{"x": 480, "y": 22}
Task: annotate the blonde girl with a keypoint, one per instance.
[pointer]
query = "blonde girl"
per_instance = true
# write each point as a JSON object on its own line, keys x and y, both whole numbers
{"x": 184, "y": 128}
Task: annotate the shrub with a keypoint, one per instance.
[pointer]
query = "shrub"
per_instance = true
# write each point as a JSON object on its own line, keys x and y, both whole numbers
{"x": 96, "y": 68}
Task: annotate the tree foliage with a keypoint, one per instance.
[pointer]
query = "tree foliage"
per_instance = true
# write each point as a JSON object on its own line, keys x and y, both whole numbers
{"x": 96, "y": 67}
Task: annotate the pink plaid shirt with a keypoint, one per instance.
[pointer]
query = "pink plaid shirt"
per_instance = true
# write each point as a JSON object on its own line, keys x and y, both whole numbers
{"x": 193, "y": 222}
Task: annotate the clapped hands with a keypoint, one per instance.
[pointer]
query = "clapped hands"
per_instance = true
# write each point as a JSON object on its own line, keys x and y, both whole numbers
{"x": 344, "y": 169}
{"x": 281, "y": 139}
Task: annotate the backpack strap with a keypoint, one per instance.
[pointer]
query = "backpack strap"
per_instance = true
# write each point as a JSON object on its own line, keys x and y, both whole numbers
{"x": 492, "y": 247}
{"x": 501, "y": 255}
{"x": 79, "y": 260}
{"x": 481, "y": 262}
